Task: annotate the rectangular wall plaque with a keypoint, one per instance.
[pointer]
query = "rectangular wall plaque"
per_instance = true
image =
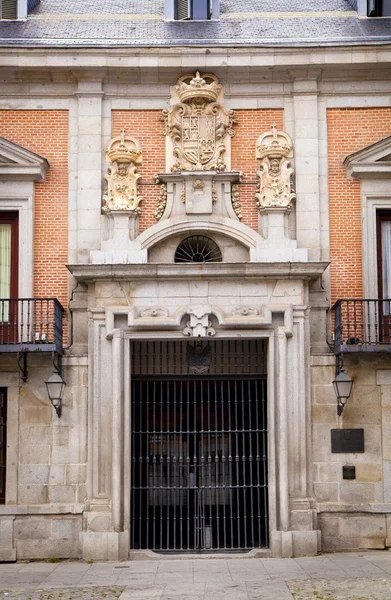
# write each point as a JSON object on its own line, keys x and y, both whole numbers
{"x": 347, "y": 440}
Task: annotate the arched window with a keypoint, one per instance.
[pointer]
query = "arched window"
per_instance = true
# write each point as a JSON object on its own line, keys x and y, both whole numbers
{"x": 199, "y": 249}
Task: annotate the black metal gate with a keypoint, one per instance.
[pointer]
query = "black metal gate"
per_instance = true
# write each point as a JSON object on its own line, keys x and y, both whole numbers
{"x": 199, "y": 446}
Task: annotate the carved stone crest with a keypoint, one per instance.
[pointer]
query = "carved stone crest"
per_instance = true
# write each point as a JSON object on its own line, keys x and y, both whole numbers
{"x": 275, "y": 173}
{"x": 199, "y": 358}
{"x": 124, "y": 154}
{"x": 198, "y": 124}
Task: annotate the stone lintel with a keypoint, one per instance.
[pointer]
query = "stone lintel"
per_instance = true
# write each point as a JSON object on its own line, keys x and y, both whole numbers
{"x": 284, "y": 270}
{"x": 233, "y": 176}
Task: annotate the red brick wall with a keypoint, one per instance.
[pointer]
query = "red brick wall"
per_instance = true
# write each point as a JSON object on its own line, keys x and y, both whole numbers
{"x": 250, "y": 125}
{"x": 147, "y": 127}
{"x": 46, "y": 133}
{"x": 349, "y": 130}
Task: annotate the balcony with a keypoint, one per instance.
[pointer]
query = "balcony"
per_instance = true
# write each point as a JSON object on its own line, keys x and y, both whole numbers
{"x": 362, "y": 325}
{"x": 31, "y": 325}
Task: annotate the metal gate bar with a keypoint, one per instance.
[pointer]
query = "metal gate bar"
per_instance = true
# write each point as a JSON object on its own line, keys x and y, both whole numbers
{"x": 199, "y": 460}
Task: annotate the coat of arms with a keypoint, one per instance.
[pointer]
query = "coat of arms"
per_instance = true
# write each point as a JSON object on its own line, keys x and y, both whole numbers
{"x": 198, "y": 125}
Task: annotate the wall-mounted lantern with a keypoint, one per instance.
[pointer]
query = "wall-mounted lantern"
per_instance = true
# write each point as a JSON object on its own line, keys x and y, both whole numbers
{"x": 55, "y": 386}
{"x": 343, "y": 387}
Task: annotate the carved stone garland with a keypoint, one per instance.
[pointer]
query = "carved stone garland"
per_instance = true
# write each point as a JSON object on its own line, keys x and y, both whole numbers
{"x": 162, "y": 201}
{"x": 198, "y": 125}
{"x": 236, "y": 202}
{"x": 124, "y": 153}
{"x": 275, "y": 173}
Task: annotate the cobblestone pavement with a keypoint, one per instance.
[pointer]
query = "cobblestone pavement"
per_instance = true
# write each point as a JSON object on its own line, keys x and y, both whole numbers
{"x": 342, "y": 576}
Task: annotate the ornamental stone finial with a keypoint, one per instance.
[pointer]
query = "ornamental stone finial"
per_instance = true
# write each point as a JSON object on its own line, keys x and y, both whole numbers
{"x": 275, "y": 173}
{"x": 124, "y": 153}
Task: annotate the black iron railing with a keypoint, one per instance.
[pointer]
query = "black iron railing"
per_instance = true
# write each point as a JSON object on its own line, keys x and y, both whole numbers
{"x": 30, "y": 325}
{"x": 362, "y": 325}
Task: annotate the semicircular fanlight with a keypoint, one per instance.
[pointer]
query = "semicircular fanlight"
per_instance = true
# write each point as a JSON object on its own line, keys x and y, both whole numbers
{"x": 199, "y": 249}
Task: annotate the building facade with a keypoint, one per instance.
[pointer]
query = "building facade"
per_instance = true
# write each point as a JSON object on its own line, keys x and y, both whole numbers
{"x": 195, "y": 237}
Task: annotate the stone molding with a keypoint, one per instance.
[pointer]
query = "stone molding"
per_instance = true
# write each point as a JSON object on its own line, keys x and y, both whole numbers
{"x": 281, "y": 270}
{"x": 372, "y": 162}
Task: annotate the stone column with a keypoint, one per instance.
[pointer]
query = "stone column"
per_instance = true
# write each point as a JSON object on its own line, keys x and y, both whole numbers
{"x": 306, "y": 143}
{"x": 89, "y": 167}
{"x": 104, "y": 537}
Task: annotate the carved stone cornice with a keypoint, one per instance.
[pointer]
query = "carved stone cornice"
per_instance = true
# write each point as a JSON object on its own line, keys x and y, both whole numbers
{"x": 19, "y": 164}
{"x": 189, "y": 272}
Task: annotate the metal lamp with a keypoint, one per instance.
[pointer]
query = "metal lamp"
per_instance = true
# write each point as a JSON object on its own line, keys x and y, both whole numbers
{"x": 55, "y": 386}
{"x": 343, "y": 387}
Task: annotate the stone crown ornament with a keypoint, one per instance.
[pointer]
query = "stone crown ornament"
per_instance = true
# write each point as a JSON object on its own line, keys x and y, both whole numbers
{"x": 198, "y": 125}
{"x": 274, "y": 144}
{"x": 197, "y": 89}
{"x": 124, "y": 149}
{"x": 124, "y": 153}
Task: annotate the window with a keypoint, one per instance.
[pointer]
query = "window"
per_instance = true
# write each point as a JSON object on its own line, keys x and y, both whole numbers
{"x": 8, "y": 9}
{"x": 192, "y": 10}
{"x": 8, "y": 259}
{"x": 383, "y": 226}
{"x": 3, "y": 441}
{"x": 379, "y": 8}
{"x": 198, "y": 248}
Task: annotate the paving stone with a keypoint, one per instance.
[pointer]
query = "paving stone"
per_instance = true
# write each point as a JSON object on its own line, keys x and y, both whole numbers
{"x": 81, "y": 593}
{"x": 341, "y": 589}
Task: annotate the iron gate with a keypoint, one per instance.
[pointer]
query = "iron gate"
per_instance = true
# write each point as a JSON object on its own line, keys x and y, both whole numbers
{"x": 199, "y": 446}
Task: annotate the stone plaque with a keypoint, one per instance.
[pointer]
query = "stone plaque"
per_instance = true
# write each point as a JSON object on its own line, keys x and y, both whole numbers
{"x": 347, "y": 440}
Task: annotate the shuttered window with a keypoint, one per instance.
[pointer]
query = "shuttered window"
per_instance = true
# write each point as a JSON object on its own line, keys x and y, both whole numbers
{"x": 182, "y": 10}
{"x": 8, "y": 9}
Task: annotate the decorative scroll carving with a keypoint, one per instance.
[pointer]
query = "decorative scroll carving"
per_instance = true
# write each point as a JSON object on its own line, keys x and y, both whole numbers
{"x": 154, "y": 312}
{"x": 235, "y": 199}
{"x": 199, "y": 358}
{"x": 162, "y": 202}
{"x": 246, "y": 311}
{"x": 199, "y": 324}
{"x": 198, "y": 125}
{"x": 124, "y": 153}
{"x": 275, "y": 174}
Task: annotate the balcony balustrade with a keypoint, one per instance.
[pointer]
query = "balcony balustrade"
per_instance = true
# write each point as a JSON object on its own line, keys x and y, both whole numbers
{"x": 31, "y": 325}
{"x": 362, "y": 325}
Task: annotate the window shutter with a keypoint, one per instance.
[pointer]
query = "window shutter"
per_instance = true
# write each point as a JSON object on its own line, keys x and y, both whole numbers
{"x": 8, "y": 9}
{"x": 182, "y": 10}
